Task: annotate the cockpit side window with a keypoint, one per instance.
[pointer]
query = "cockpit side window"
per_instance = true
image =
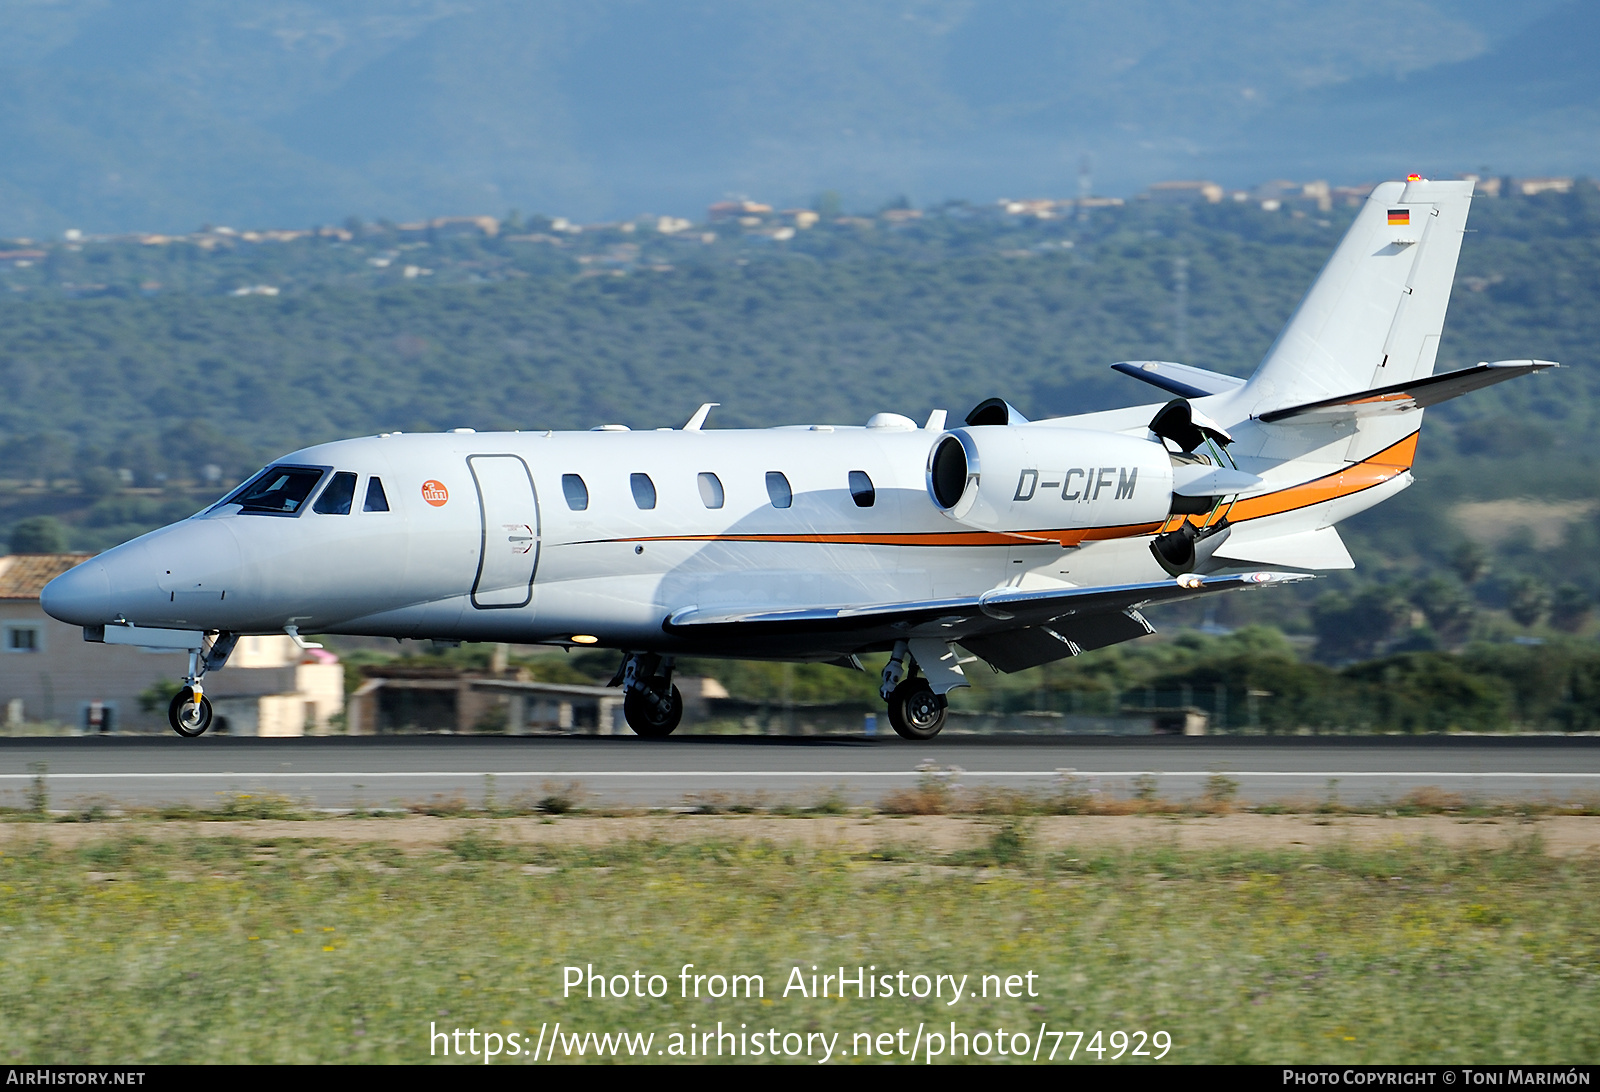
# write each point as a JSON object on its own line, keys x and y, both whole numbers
{"x": 276, "y": 491}
{"x": 336, "y": 498}
{"x": 377, "y": 499}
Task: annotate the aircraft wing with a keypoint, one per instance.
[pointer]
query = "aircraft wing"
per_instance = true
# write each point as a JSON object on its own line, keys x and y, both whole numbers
{"x": 1415, "y": 394}
{"x": 1011, "y": 628}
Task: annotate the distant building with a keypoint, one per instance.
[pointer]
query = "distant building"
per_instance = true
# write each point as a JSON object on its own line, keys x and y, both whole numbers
{"x": 1530, "y": 187}
{"x": 404, "y": 698}
{"x": 727, "y": 210}
{"x": 1318, "y": 191}
{"x": 1039, "y": 208}
{"x": 465, "y": 225}
{"x": 441, "y": 226}
{"x": 1186, "y": 191}
{"x": 49, "y": 673}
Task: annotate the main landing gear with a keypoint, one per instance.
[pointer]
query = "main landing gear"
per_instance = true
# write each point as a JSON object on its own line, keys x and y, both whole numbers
{"x": 190, "y": 710}
{"x": 915, "y": 711}
{"x": 650, "y": 702}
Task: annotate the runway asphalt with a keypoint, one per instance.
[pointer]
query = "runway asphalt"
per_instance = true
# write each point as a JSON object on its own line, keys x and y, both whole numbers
{"x": 343, "y": 772}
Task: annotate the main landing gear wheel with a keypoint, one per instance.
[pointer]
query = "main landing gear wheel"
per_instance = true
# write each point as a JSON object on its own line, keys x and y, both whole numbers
{"x": 189, "y": 716}
{"x": 915, "y": 710}
{"x": 649, "y": 719}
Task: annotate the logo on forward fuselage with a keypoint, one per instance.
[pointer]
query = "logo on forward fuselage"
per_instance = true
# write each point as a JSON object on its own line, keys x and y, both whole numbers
{"x": 435, "y": 493}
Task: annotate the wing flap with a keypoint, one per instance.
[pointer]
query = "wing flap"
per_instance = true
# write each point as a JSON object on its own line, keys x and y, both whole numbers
{"x": 1021, "y": 649}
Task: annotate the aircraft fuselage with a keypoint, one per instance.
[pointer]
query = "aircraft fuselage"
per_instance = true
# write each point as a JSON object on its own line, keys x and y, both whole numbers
{"x": 539, "y": 537}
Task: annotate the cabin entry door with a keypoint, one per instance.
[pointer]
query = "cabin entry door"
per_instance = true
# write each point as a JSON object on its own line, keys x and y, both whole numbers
{"x": 508, "y": 554}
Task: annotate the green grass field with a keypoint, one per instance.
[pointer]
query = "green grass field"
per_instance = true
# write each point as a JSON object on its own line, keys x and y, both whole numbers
{"x": 229, "y": 949}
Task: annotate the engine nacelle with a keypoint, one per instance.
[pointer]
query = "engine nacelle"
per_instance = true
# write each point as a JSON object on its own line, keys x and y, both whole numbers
{"x": 1023, "y": 478}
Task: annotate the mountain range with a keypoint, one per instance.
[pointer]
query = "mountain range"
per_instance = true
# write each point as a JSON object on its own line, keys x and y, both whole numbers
{"x": 166, "y": 114}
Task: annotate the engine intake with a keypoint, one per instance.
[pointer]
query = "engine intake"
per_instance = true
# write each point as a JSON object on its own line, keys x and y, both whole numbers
{"x": 1002, "y": 477}
{"x": 949, "y": 468}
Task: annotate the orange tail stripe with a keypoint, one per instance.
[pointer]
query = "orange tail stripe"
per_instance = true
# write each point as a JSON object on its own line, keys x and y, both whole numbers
{"x": 1389, "y": 463}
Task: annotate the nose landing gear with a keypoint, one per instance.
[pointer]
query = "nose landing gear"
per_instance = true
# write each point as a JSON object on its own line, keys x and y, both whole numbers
{"x": 190, "y": 710}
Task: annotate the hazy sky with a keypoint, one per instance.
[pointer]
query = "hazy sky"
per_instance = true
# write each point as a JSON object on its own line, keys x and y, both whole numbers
{"x": 164, "y": 114}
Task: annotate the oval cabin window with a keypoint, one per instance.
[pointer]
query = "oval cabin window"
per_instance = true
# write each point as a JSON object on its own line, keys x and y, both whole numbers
{"x": 711, "y": 490}
{"x": 575, "y": 491}
{"x": 778, "y": 489}
{"x": 644, "y": 490}
{"x": 861, "y": 490}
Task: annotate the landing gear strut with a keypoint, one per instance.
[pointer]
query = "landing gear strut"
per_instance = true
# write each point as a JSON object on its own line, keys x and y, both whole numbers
{"x": 652, "y": 705}
{"x": 190, "y": 710}
{"x": 915, "y": 711}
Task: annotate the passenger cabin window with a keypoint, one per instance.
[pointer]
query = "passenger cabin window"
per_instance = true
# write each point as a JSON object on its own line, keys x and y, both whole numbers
{"x": 377, "y": 499}
{"x": 711, "y": 490}
{"x": 575, "y": 491}
{"x": 336, "y": 498}
{"x": 861, "y": 490}
{"x": 276, "y": 491}
{"x": 778, "y": 489}
{"x": 644, "y": 490}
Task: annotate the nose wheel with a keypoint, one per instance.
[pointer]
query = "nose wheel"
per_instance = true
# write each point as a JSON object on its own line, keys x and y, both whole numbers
{"x": 190, "y": 713}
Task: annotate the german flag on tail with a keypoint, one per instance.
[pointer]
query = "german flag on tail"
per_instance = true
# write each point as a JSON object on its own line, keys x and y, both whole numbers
{"x": 1399, "y": 217}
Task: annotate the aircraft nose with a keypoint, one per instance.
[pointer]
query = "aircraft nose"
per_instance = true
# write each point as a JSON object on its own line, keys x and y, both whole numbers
{"x": 81, "y": 596}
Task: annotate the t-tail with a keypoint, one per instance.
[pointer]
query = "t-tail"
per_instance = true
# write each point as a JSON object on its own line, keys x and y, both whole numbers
{"x": 1330, "y": 419}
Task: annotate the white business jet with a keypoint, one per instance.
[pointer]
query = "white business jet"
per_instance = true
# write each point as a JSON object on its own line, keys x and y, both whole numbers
{"x": 1009, "y": 541}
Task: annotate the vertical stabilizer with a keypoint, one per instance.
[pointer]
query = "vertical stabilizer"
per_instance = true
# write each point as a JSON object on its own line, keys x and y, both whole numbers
{"x": 1375, "y": 314}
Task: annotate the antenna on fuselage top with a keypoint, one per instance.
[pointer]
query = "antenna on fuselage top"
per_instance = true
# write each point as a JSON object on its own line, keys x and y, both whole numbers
{"x": 699, "y": 417}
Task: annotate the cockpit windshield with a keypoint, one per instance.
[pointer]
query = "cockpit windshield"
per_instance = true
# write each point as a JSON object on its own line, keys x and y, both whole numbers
{"x": 277, "y": 490}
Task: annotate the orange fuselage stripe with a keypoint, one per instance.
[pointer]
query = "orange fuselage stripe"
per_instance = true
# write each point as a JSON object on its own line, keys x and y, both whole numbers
{"x": 1386, "y": 465}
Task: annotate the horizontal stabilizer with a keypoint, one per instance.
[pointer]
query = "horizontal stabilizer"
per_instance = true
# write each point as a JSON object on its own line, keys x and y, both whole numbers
{"x": 1319, "y": 549}
{"x": 1411, "y": 395}
{"x": 1181, "y": 379}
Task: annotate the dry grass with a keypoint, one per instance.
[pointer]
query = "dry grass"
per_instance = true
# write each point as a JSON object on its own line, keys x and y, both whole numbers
{"x": 259, "y": 947}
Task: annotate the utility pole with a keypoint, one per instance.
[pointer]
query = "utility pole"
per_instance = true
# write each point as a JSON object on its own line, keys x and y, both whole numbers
{"x": 1180, "y": 326}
